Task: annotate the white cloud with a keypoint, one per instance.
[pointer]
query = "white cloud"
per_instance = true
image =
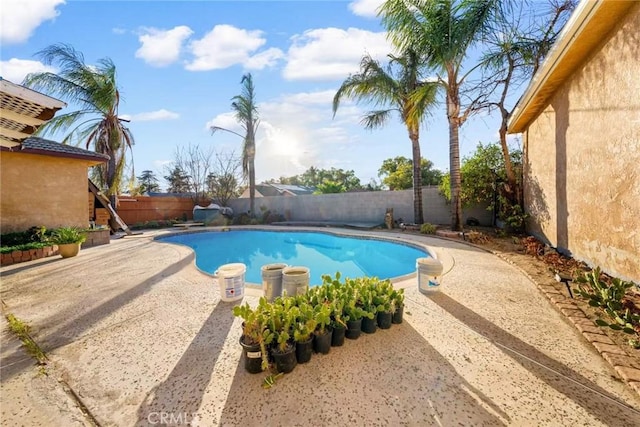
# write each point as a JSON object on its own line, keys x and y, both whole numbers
{"x": 294, "y": 131}
{"x": 15, "y": 70}
{"x": 264, "y": 59}
{"x": 151, "y": 116}
{"x": 365, "y": 8}
{"x": 226, "y": 45}
{"x": 313, "y": 55}
{"x": 118, "y": 30}
{"x": 162, "y": 47}
{"x": 226, "y": 121}
{"x": 20, "y": 18}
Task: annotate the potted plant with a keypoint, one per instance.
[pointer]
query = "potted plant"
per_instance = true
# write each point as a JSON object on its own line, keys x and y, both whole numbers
{"x": 322, "y": 340}
{"x": 337, "y": 295}
{"x": 385, "y": 304}
{"x": 255, "y": 338}
{"x": 280, "y": 322}
{"x": 397, "y": 296}
{"x": 68, "y": 240}
{"x": 338, "y": 321}
{"x": 354, "y": 314}
{"x": 303, "y": 331}
{"x": 369, "y": 308}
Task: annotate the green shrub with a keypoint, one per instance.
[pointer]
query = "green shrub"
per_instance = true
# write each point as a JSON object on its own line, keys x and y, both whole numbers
{"x": 427, "y": 228}
{"x": 242, "y": 219}
{"x": 66, "y": 235}
{"x": 23, "y": 247}
{"x": 32, "y": 235}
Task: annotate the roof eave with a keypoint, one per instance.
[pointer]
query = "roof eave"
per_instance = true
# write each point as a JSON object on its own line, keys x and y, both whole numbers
{"x": 31, "y": 95}
{"x": 583, "y": 32}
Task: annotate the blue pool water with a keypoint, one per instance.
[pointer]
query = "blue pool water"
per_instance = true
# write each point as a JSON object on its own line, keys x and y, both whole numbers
{"x": 322, "y": 253}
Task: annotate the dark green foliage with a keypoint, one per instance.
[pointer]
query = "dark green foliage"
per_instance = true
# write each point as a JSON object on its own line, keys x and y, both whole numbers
{"x": 178, "y": 181}
{"x": 23, "y": 247}
{"x": 397, "y": 173}
{"x": 32, "y": 235}
{"x": 33, "y": 238}
{"x": 314, "y": 177}
{"x": 148, "y": 182}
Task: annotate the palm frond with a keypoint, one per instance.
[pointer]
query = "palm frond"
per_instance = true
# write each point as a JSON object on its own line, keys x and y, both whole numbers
{"x": 376, "y": 119}
{"x": 373, "y": 84}
{"x": 421, "y": 101}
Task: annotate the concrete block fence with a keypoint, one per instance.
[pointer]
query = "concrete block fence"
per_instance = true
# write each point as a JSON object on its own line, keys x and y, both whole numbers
{"x": 369, "y": 206}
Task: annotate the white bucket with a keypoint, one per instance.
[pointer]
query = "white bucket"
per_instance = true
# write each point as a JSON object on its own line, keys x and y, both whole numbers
{"x": 429, "y": 271}
{"x": 295, "y": 280}
{"x": 272, "y": 280}
{"x": 231, "y": 281}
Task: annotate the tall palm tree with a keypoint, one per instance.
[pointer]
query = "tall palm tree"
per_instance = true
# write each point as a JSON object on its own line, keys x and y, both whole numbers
{"x": 96, "y": 123}
{"x": 246, "y": 110}
{"x": 443, "y": 31}
{"x": 397, "y": 87}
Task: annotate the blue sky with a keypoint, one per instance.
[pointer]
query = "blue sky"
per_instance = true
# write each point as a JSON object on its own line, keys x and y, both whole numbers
{"x": 180, "y": 63}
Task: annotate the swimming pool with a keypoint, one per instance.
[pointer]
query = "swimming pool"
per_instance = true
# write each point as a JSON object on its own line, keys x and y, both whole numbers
{"x": 322, "y": 253}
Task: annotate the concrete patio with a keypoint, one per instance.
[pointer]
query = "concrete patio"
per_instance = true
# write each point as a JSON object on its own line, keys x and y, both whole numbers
{"x": 137, "y": 335}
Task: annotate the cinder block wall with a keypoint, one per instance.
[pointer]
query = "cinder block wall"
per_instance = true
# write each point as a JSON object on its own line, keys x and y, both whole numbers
{"x": 367, "y": 206}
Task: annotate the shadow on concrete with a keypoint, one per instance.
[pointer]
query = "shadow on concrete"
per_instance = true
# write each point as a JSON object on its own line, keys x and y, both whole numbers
{"x": 182, "y": 392}
{"x": 590, "y": 396}
{"x": 392, "y": 377}
{"x": 72, "y": 327}
{"x": 71, "y": 330}
{"x": 10, "y": 270}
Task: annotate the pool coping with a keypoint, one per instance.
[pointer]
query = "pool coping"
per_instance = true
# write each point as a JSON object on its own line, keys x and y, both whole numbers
{"x": 292, "y": 229}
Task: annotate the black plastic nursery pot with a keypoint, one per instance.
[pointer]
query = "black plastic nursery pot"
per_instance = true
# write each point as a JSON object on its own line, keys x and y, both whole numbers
{"x": 354, "y": 327}
{"x": 322, "y": 342}
{"x": 252, "y": 357}
{"x": 285, "y": 361}
{"x": 337, "y": 338}
{"x": 369, "y": 326}
{"x": 304, "y": 350}
{"x": 384, "y": 319}
{"x": 397, "y": 315}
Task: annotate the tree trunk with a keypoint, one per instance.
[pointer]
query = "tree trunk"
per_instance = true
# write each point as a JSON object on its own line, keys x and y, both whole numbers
{"x": 418, "y": 217}
{"x": 252, "y": 178}
{"x": 453, "y": 116}
{"x": 456, "y": 180}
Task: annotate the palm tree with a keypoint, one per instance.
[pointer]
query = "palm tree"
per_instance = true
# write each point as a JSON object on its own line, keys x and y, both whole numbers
{"x": 96, "y": 123}
{"x": 397, "y": 87}
{"x": 443, "y": 31}
{"x": 246, "y": 111}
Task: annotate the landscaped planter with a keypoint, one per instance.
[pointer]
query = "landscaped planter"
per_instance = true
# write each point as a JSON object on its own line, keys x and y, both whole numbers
{"x": 97, "y": 238}
{"x": 16, "y": 257}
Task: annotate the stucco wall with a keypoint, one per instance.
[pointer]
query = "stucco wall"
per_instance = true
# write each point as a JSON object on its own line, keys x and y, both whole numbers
{"x": 369, "y": 206}
{"x": 582, "y": 167}
{"x": 42, "y": 190}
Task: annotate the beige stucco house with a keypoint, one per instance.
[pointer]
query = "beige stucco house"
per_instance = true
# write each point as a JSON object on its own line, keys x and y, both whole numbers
{"x": 580, "y": 119}
{"x": 42, "y": 182}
